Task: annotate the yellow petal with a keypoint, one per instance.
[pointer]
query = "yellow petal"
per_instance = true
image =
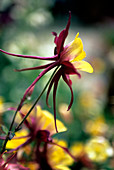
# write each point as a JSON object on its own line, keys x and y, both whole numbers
{"x": 83, "y": 66}
{"x": 11, "y": 144}
{"x": 49, "y": 123}
{"x": 61, "y": 167}
{"x": 80, "y": 57}
{"x": 74, "y": 50}
{"x": 57, "y": 157}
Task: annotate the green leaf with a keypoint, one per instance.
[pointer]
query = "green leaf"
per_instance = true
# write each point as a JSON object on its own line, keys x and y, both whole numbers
{"x": 3, "y": 129}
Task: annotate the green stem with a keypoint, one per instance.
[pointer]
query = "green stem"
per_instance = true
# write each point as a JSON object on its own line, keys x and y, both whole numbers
{"x": 9, "y": 132}
{"x": 18, "y": 127}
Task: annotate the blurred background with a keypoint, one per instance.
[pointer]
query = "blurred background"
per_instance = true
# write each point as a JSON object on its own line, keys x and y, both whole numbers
{"x": 25, "y": 28}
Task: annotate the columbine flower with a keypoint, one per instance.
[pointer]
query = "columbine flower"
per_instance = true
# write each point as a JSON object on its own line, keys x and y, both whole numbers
{"x": 68, "y": 59}
{"x": 40, "y": 128}
{"x": 40, "y": 125}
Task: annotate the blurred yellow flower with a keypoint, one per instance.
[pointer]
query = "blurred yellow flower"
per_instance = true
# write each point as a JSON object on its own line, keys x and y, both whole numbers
{"x": 38, "y": 119}
{"x": 58, "y": 159}
{"x": 77, "y": 149}
{"x": 44, "y": 118}
{"x": 96, "y": 127}
{"x": 41, "y": 126}
{"x": 98, "y": 149}
{"x": 1, "y": 104}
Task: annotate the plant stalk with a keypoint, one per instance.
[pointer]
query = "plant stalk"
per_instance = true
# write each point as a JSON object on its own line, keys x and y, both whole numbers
{"x": 18, "y": 127}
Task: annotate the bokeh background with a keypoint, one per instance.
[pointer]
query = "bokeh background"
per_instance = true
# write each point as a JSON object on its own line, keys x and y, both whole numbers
{"x": 25, "y": 28}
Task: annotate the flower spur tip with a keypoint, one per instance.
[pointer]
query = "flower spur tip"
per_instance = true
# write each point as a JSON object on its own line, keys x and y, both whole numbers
{"x": 68, "y": 109}
{"x": 56, "y": 127}
{"x": 70, "y": 13}
{"x": 70, "y": 105}
{"x": 48, "y": 105}
{"x": 16, "y": 70}
{"x": 57, "y": 131}
{"x": 54, "y": 33}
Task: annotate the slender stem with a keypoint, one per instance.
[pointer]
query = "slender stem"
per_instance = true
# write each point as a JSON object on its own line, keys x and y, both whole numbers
{"x": 10, "y": 128}
{"x": 5, "y": 142}
{"x": 18, "y": 127}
